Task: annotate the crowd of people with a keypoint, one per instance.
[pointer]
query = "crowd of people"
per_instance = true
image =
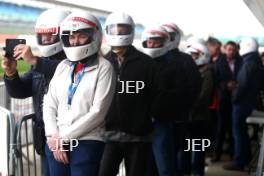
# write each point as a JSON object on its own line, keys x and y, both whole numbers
{"x": 137, "y": 105}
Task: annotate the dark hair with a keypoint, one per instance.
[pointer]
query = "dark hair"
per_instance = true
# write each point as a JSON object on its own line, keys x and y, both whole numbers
{"x": 213, "y": 41}
{"x": 232, "y": 43}
{"x": 262, "y": 54}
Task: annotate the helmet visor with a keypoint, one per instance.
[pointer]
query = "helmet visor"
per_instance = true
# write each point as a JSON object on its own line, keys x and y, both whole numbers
{"x": 77, "y": 38}
{"x": 119, "y": 29}
{"x": 172, "y": 36}
{"x": 154, "y": 42}
{"x": 47, "y": 38}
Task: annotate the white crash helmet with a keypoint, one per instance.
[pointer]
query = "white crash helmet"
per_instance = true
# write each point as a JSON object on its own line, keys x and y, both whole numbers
{"x": 81, "y": 21}
{"x": 248, "y": 45}
{"x": 203, "y": 56}
{"x": 49, "y": 22}
{"x": 175, "y": 34}
{"x": 193, "y": 40}
{"x": 115, "y": 20}
{"x": 155, "y": 33}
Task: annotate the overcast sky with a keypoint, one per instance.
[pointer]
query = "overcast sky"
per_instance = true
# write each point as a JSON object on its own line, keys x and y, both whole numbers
{"x": 200, "y": 17}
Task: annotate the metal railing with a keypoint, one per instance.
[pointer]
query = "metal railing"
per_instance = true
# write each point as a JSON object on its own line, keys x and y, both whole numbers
{"x": 18, "y": 158}
{"x": 20, "y": 134}
{"x": 25, "y": 151}
{"x": 25, "y": 166}
{"x": 19, "y": 107}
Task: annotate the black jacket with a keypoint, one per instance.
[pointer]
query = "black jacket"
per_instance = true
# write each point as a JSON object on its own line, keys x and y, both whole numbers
{"x": 247, "y": 79}
{"x": 171, "y": 82}
{"x": 200, "y": 110}
{"x": 223, "y": 75}
{"x": 35, "y": 83}
{"x": 192, "y": 80}
{"x": 130, "y": 112}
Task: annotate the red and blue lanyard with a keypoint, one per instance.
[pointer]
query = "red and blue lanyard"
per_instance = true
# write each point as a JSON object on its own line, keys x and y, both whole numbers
{"x": 74, "y": 83}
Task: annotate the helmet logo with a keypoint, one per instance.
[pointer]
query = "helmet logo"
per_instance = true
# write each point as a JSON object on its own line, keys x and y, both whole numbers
{"x": 83, "y": 20}
{"x": 43, "y": 25}
{"x": 53, "y": 30}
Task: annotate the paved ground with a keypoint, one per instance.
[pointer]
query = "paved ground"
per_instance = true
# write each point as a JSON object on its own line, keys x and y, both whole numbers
{"x": 216, "y": 169}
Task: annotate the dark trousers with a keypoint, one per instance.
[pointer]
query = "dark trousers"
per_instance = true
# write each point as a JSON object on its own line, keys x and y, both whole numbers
{"x": 135, "y": 155}
{"x": 194, "y": 161}
{"x": 224, "y": 126}
{"x": 168, "y": 144}
{"x": 242, "y": 153}
{"x": 163, "y": 147}
{"x": 45, "y": 165}
{"x": 84, "y": 160}
{"x": 180, "y": 132}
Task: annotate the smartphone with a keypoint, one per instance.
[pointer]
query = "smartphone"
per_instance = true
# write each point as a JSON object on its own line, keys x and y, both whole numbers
{"x": 11, "y": 44}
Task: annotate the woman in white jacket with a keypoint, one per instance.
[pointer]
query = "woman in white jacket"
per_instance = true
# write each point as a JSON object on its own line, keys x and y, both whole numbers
{"x": 78, "y": 99}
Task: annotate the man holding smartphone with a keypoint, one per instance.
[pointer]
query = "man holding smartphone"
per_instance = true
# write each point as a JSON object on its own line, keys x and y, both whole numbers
{"x": 35, "y": 82}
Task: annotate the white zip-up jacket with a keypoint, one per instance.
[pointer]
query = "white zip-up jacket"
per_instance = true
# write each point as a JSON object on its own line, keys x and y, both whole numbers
{"x": 84, "y": 119}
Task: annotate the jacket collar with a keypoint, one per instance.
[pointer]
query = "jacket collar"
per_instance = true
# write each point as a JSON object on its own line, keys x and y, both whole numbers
{"x": 59, "y": 56}
{"x": 205, "y": 67}
{"x": 248, "y": 57}
{"x": 92, "y": 62}
{"x": 130, "y": 54}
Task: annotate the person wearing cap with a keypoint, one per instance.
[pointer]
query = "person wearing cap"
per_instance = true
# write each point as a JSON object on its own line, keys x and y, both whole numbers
{"x": 78, "y": 99}
{"x": 34, "y": 83}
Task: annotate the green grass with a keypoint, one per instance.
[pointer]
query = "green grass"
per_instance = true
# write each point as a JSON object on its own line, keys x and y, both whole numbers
{"x": 22, "y": 67}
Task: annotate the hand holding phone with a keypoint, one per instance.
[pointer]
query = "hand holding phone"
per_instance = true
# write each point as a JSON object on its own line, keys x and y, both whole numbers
{"x": 24, "y": 51}
{"x": 17, "y": 49}
{"x": 10, "y": 45}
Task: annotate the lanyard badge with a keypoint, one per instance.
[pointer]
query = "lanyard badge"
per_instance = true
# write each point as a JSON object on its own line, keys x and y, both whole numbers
{"x": 74, "y": 83}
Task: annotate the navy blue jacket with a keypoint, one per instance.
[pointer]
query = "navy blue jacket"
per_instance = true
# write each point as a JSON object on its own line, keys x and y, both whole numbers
{"x": 247, "y": 79}
{"x": 223, "y": 75}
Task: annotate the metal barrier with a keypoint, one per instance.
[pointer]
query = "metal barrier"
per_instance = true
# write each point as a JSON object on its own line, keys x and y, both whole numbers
{"x": 19, "y": 107}
{"x": 17, "y": 158}
{"x": 257, "y": 117}
{"x": 23, "y": 137}
{"x": 26, "y": 149}
{"x": 19, "y": 153}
